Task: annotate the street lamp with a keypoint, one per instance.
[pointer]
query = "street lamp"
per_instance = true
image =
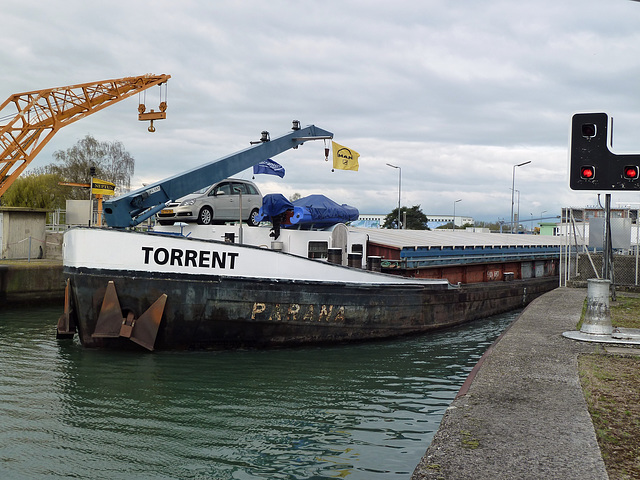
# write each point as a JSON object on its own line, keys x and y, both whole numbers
{"x": 513, "y": 186}
{"x": 453, "y": 224}
{"x": 531, "y": 228}
{"x": 399, "y": 188}
{"x": 539, "y": 223}
{"x": 518, "y": 222}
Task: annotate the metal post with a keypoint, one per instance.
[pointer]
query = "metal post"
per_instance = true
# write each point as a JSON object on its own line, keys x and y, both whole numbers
{"x": 453, "y": 224}
{"x": 240, "y": 239}
{"x": 606, "y": 240}
{"x": 518, "y": 224}
{"x": 91, "y": 201}
{"x": 637, "y": 241}
{"x": 531, "y": 223}
{"x": 399, "y": 189}
{"x": 513, "y": 186}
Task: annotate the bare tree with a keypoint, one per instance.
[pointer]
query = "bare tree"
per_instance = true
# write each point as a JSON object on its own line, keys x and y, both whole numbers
{"x": 111, "y": 161}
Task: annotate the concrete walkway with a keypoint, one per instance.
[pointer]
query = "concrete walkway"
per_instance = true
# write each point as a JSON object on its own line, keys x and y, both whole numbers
{"x": 522, "y": 414}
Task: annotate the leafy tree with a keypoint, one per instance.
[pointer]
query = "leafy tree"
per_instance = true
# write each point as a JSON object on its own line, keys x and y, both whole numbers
{"x": 36, "y": 190}
{"x": 493, "y": 226}
{"x": 449, "y": 226}
{"x": 111, "y": 161}
{"x": 416, "y": 220}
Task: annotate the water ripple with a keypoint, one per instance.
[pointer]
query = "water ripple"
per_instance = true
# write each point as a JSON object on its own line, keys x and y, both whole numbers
{"x": 359, "y": 412}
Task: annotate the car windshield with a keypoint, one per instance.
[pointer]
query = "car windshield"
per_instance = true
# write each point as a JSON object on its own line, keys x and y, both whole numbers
{"x": 202, "y": 190}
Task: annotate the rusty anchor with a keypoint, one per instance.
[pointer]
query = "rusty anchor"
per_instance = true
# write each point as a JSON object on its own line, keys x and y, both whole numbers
{"x": 142, "y": 330}
{"x": 66, "y": 323}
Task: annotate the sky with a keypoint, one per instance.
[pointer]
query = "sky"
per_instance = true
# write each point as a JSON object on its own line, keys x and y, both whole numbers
{"x": 454, "y": 93}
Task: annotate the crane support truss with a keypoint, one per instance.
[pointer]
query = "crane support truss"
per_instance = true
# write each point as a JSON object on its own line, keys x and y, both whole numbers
{"x": 41, "y": 113}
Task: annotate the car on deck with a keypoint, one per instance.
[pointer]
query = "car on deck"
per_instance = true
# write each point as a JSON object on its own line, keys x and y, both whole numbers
{"x": 216, "y": 204}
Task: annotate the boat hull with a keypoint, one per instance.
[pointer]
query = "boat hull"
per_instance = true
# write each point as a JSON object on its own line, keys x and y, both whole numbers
{"x": 127, "y": 289}
{"x": 221, "y": 313}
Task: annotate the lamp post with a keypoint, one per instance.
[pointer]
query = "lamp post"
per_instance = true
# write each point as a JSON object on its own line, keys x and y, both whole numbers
{"x": 453, "y": 224}
{"x": 513, "y": 186}
{"x": 518, "y": 224}
{"x": 531, "y": 228}
{"x": 399, "y": 188}
{"x": 541, "y": 213}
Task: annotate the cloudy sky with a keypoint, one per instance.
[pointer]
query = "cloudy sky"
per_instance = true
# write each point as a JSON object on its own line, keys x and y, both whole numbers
{"x": 454, "y": 92}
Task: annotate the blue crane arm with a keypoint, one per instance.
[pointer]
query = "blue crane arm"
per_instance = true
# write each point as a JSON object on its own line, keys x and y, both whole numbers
{"x": 132, "y": 208}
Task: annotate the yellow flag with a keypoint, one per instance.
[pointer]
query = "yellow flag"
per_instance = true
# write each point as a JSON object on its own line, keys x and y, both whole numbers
{"x": 102, "y": 187}
{"x": 344, "y": 158}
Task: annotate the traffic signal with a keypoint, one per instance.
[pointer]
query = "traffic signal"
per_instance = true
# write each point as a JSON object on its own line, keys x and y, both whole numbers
{"x": 592, "y": 165}
{"x": 630, "y": 172}
{"x": 587, "y": 172}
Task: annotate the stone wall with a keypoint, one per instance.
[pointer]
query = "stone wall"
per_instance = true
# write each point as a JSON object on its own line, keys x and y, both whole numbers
{"x": 54, "y": 246}
{"x": 31, "y": 282}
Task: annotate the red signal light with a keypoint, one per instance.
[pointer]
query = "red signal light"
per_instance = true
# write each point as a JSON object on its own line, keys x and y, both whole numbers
{"x": 631, "y": 172}
{"x": 587, "y": 172}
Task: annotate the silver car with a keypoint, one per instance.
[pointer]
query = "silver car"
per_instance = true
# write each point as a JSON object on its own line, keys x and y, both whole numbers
{"x": 218, "y": 203}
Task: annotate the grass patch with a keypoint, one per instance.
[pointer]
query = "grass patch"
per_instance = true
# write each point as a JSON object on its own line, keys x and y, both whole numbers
{"x": 625, "y": 311}
{"x": 611, "y": 386}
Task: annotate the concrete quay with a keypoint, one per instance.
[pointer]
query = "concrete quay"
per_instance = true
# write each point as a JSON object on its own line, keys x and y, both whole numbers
{"x": 37, "y": 281}
{"x": 521, "y": 414}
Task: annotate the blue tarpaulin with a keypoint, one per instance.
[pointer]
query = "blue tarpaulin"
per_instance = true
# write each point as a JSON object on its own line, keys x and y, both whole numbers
{"x": 273, "y": 204}
{"x": 314, "y": 210}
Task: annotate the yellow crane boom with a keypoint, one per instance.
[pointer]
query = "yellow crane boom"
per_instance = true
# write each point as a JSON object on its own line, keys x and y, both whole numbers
{"x": 41, "y": 113}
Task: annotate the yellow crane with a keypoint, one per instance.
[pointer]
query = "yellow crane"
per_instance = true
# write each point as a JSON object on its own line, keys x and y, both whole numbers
{"x": 41, "y": 113}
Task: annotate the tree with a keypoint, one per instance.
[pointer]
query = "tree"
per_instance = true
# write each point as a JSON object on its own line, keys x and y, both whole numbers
{"x": 415, "y": 219}
{"x": 36, "y": 190}
{"x": 450, "y": 226}
{"x": 111, "y": 161}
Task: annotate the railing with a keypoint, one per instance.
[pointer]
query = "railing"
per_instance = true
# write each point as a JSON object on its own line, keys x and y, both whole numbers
{"x": 56, "y": 220}
{"x": 25, "y": 249}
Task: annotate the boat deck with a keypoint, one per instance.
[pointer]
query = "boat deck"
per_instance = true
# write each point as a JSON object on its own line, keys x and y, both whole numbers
{"x": 421, "y": 248}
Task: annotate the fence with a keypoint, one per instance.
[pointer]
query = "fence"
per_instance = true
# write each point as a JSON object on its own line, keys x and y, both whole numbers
{"x": 56, "y": 220}
{"x": 579, "y": 262}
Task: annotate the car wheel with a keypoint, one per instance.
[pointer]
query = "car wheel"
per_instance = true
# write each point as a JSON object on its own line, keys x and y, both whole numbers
{"x": 252, "y": 221}
{"x": 205, "y": 217}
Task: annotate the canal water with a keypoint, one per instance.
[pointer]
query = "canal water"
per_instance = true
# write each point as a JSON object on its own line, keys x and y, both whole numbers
{"x": 364, "y": 411}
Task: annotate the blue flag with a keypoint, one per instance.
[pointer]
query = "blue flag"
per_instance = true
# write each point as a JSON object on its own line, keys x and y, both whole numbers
{"x": 269, "y": 167}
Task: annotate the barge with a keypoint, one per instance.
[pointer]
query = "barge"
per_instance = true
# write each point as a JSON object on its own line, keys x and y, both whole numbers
{"x": 188, "y": 286}
{"x": 169, "y": 292}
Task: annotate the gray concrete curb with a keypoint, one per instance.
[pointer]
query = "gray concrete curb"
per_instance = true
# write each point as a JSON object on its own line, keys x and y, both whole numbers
{"x": 524, "y": 415}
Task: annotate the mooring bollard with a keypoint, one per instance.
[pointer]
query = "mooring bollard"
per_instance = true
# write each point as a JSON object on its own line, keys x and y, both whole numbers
{"x": 354, "y": 260}
{"x": 597, "y": 319}
{"x": 335, "y": 256}
{"x": 374, "y": 263}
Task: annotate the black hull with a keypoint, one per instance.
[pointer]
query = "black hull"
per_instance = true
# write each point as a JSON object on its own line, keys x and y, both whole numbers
{"x": 218, "y": 312}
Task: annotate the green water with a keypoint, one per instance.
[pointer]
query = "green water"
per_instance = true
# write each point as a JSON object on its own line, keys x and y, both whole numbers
{"x": 363, "y": 411}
